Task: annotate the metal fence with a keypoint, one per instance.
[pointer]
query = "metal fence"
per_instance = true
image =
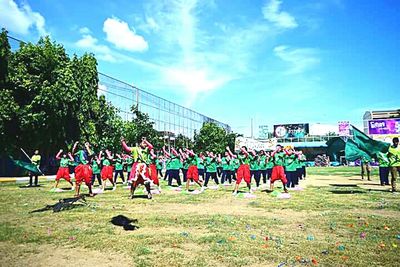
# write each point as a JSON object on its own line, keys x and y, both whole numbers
{"x": 167, "y": 116}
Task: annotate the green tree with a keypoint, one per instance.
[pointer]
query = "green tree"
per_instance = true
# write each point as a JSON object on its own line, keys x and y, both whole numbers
{"x": 141, "y": 126}
{"x": 182, "y": 141}
{"x": 211, "y": 137}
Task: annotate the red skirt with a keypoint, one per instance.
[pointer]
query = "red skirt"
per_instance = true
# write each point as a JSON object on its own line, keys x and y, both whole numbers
{"x": 154, "y": 174}
{"x": 83, "y": 172}
{"x": 193, "y": 173}
{"x": 107, "y": 172}
{"x": 63, "y": 172}
{"x": 140, "y": 174}
{"x": 243, "y": 173}
{"x": 278, "y": 173}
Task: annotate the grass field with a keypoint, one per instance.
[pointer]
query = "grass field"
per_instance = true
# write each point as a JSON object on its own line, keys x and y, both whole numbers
{"x": 338, "y": 220}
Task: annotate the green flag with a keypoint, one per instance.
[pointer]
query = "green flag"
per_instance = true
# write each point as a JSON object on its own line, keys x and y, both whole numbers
{"x": 28, "y": 166}
{"x": 353, "y": 152}
{"x": 368, "y": 144}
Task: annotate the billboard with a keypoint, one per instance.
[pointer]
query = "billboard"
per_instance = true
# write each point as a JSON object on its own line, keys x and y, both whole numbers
{"x": 389, "y": 126}
{"x": 297, "y": 130}
{"x": 250, "y": 143}
{"x": 344, "y": 128}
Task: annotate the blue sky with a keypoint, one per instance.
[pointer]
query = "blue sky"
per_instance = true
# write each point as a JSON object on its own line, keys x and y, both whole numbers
{"x": 288, "y": 61}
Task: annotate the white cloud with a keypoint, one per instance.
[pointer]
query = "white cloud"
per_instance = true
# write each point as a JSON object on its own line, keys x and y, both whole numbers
{"x": 300, "y": 59}
{"x": 123, "y": 37}
{"x": 20, "y": 19}
{"x": 102, "y": 89}
{"x": 102, "y": 52}
{"x": 85, "y": 30}
{"x": 279, "y": 18}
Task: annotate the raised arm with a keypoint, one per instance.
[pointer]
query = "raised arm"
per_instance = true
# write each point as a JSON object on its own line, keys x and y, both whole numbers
{"x": 70, "y": 156}
{"x": 152, "y": 154}
{"x": 244, "y": 151}
{"x": 174, "y": 152}
{"x": 125, "y": 146}
{"x": 58, "y": 154}
{"x": 74, "y": 147}
{"x": 148, "y": 144}
{"x": 166, "y": 153}
{"x": 230, "y": 152}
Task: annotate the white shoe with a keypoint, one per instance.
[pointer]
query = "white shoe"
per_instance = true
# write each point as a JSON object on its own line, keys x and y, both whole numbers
{"x": 72, "y": 188}
{"x": 114, "y": 188}
{"x": 234, "y": 193}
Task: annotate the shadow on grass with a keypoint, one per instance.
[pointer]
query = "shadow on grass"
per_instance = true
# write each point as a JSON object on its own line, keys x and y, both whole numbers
{"x": 344, "y": 185}
{"x": 30, "y": 186}
{"x": 347, "y": 192}
{"x": 139, "y": 196}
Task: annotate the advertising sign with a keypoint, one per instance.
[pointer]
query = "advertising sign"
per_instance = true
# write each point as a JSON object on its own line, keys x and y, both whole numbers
{"x": 297, "y": 130}
{"x": 344, "y": 128}
{"x": 389, "y": 126}
{"x": 269, "y": 144}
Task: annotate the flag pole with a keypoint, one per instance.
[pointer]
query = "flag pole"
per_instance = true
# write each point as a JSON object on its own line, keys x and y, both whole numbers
{"x": 31, "y": 160}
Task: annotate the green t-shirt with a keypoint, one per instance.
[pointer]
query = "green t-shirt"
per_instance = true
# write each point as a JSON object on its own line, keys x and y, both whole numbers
{"x": 263, "y": 163}
{"x": 175, "y": 163}
{"x": 105, "y": 162}
{"x": 140, "y": 155}
{"x": 81, "y": 155}
{"x": 119, "y": 166}
{"x": 200, "y": 163}
{"x": 158, "y": 164}
{"x": 290, "y": 162}
{"x": 279, "y": 158}
{"x": 253, "y": 163}
{"x": 211, "y": 165}
{"x": 64, "y": 162}
{"x": 168, "y": 164}
{"x": 95, "y": 167}
{"x": 236, "y": 163}
{"x": 129, "y": 163}
{"x": 243, "y": 159}
{"x": 270, "y": 163}
{"x": 303, "y": 160}
{"x": 186, "y": 164}
{"x": 226, "y": 164}
{"x": 36, "y": 159}
{"x": 394, "y": 156}
{"x": 383, "y": 159}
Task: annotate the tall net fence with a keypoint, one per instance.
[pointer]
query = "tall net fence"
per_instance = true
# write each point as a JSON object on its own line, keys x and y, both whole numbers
{"x": 167, "y": 116}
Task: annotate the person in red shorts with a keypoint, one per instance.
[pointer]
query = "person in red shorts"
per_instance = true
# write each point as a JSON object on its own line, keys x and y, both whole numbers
{"x": 107, "y": 169}
{"x": 243, "y": 172}
{"x": 278, "y": 173}
{"x": 63, "y": 170}
{"x": 83, "y": 172}
{"x": 192, "y": 172}
{"x": 153, "y": 169}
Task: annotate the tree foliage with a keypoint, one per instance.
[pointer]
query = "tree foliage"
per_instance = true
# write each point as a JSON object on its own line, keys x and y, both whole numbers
{"x": 211, "y": 137}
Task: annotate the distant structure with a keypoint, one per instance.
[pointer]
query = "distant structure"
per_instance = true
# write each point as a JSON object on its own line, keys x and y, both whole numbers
{"x": 382, "y": 125}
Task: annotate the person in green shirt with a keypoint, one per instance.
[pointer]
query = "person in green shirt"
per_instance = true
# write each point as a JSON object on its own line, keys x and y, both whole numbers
{"x": 394, "y": 162}
{"x": 167, "y": 168}
{"x": 175, "y": 165}
{"x": 290, "y": 167}
{"x": 193, "y": 172}
{"x": 365, "y": 168}
{"x": 255, "y": 167}
{"x": 226, "y": 168}
{"x": 35, "y": 159}
{"x": 263, "y": 166}
{"x": 119, "y": 168}
{"x": 278, "y": 172}
{"x": 185, "y": 164}
{"x": 95, "y": 163}
{"x": 200, "y": 165}
{"x": 128, "y": 164}
{"x": 270, "y": 164}
{"x": 63, "y": 170}
{"x": 243, "y": 172}
{"x": 219, "y": 166}
{"x": 303, "y": 160}
{"x": 159, "y": 165}
{"x": 107, "y": 169}
{"x": 211, "y": 168}
{"x": 383, "y": 168}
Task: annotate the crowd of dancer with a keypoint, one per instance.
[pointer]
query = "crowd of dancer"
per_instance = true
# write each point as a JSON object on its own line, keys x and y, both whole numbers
{"x": 145, "y": 166}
